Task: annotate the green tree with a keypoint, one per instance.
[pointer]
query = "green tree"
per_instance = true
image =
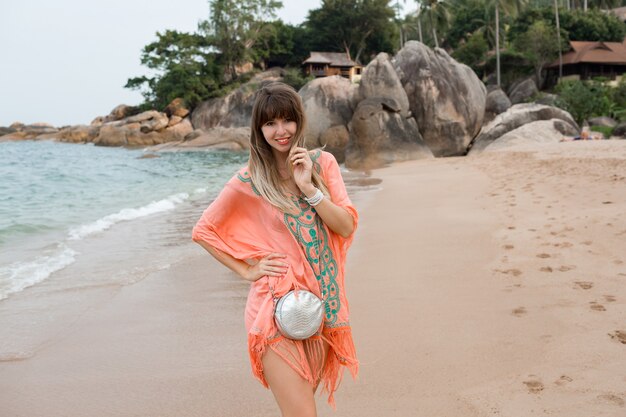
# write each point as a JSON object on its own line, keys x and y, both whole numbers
{"x": 234, "y": 28}
{"x": 539, "y": 45}
{"x": 437, "y": 14}
{"x": 357, "y": 27}
{"x": 584, "y": 99}
{"x": 185, "y": 66}
{"x": 472, "y": 52}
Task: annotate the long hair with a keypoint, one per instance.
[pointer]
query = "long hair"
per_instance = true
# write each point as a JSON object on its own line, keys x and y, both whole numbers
{"x": 276, "y": 101}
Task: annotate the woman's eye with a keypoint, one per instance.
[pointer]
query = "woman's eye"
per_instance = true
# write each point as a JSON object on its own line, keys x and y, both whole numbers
{"x": 269, "y": 124}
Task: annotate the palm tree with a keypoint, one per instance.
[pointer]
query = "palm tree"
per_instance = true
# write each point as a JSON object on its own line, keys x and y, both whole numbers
{"x": 437, "y": 13}
{"x": 558, "y": 36}
{"x": 510, "y": 7}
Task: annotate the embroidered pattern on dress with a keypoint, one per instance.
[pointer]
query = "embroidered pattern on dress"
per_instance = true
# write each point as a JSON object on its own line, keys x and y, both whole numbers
{"x": 246, "y": 178}
{"x": 310, "y": 233}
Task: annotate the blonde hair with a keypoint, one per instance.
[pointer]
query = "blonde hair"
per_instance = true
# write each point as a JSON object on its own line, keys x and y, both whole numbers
{"x": 276, "y": 101}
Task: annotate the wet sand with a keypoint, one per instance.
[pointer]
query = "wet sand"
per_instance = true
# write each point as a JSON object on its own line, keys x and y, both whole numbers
{"x": 482, "y": 286}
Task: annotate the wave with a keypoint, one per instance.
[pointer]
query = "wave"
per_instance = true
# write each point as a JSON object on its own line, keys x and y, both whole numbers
{"x": 19, "y": 275}
{"x": 106, "y": 222}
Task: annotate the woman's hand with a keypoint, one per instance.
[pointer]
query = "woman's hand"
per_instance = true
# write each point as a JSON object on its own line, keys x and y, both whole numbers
{"x": 268, "y": 265}
{"x": 302, "y": 168}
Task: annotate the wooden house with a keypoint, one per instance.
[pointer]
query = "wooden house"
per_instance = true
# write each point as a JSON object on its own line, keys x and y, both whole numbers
{"x": 325, "y": 64}
{"x": 588, "y": 60}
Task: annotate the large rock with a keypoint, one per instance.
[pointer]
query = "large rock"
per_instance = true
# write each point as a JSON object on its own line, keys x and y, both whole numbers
{"x": 531, "y": 136}
{"x": 78, "y": 134}
{"x": 7, "y": 130}
{"x": 119, "y": 112}
{"x": 335, "y": 141}
{"x": 602, "y": 121}
{"x": 235, "y": 109}
{"x": 111, "y": 135}
{"x": 446, "y": 98}
{"x": 176, "y": 108}
{"x": 328, "y": 102}
{"x": 178, "y": 131}
{"x": 497, "y": 102}
{"x": 523, "y": 91}
{"x": 379, "y": 79}
{"x": 518, "y": 115}
{"x": 235, "y": 139}
{"x": 380, "y": 135}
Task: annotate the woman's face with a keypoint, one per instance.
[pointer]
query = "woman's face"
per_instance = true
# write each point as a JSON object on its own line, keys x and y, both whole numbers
{"x": 278, "y": 133}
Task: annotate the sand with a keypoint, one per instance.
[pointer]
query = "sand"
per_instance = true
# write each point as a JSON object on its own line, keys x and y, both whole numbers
{"x": 481, "y": 286}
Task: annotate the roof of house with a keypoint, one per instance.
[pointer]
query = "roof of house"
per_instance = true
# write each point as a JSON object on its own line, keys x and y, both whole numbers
{"x": 335, "y": 59}
{"x": 595, "y": 53}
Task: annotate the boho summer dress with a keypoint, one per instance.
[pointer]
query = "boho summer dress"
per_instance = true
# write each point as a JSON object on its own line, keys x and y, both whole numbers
{"x": 244, "y": 225}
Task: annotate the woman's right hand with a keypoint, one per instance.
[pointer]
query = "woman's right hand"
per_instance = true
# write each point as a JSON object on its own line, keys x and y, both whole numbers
{"x": 269, "y": 265}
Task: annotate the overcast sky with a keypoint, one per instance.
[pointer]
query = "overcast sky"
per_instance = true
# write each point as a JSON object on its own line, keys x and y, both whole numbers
{"x": 66, "y": 61}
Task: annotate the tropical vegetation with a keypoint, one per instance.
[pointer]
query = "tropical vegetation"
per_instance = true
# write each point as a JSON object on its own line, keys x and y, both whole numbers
{"x": 501, "y": 40}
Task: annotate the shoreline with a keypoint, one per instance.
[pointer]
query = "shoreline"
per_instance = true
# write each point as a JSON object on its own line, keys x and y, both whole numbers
{"x": 480, "y": 285}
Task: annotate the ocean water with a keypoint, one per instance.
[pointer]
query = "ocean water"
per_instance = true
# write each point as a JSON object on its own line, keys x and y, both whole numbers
{"x": 60, "y": 203}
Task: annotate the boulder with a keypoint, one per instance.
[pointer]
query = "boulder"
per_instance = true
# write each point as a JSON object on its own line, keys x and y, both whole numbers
{"x": 7, "y": 130}
{"x": 379, "y": 79}
{"x": 177, "y": 132}
{"x": 78, "y": 134}
{"x": 174, "y": 120}
{"x": 111, "y": 135}
{"x": 121, "y": 112}
{"x": 547, "y": 99}
{"x": 516, "y": 116}
{"x": 236, "y": 139}
{"x": 335, "y": 141}
{"x": 328, "y": 102}
{"x": 17, "y": 126}
{"x": 523, "y": 90}
{"x": 531, "y": 136}
{"x": 446, "y": 98}
{"x": 176, "y": 108}
{"x": 620, "y": 130}
{"x": 235, "y": 109}
{"x": 497, "y": 102}
{"x": 380, "y": 135}
{"x": 602, "y": 121}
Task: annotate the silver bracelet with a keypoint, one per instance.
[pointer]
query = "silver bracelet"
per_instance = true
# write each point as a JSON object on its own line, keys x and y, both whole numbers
{"x": 316, "y": 199}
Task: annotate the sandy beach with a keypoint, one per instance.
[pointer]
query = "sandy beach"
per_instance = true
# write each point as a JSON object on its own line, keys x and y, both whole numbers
{"x": 491, "y": 285}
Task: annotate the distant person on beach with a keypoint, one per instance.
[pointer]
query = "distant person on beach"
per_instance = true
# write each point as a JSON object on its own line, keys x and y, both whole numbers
{"x": 585, "y": 134}
{"x": 285, "y": 221}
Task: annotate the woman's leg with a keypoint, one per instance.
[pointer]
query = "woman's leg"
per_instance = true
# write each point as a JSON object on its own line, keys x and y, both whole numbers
{"x": 292, "y": 392}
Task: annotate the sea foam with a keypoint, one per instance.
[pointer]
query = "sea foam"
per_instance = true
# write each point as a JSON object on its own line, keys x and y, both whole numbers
{"x": 19, "y": 275}
{"x": 106, "y": 222}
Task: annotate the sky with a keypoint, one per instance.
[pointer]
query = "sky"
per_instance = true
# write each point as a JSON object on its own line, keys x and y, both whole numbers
{"x": 65, "y": 62}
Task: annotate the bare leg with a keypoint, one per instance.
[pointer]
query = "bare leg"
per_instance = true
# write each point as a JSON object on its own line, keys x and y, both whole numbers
{"x": 292, "y": 392}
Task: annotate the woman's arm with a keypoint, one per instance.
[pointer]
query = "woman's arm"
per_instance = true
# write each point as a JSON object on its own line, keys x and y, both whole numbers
{"x": 336, "y": 218}
{"x": 269, "y": 265}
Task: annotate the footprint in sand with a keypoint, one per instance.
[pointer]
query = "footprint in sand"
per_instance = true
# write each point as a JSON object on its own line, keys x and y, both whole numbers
{"x": 519, "y": 311}
{"x": 563, "y": 245}
{"x": 545, "y": 269}
{"x": 564, "y": 379}
{"x": 565, "y": 268}
{"x": 585, "y": 285}
{"x": 595, "y": 306}
{"x": 534, "y": 386}
{"x": 610, "y": 298}
{"x": 619, "y": 335}
{"x": 543, "y": 255}
{"x": 587, "y": 242}
{"x": 618, "y": 262}
{"x": 511, "y": 227}
{"x": 612, "y": 399}
{"x": 514, "y": 272}
{"x": 508, "y": 247}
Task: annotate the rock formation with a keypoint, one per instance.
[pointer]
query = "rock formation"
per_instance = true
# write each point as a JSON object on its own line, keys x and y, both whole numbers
{"x": 381, "y": 135}
{"x": 446, "y": 98}
{"x": 516, "y": 116}
{"x": 328, "y": 102}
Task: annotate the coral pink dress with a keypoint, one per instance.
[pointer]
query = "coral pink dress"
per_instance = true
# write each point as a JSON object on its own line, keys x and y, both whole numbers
{"x": 244, "y": 225}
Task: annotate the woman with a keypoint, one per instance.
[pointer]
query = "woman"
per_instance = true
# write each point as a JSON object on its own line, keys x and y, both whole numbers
{"x": 285, "y": 221}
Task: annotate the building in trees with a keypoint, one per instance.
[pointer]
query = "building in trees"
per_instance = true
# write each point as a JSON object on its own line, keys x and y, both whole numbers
{"x": 325, "y": 64}
{"x": 588, "y": 60}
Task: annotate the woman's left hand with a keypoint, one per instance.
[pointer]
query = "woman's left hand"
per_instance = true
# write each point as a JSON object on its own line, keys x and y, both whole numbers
{"x": 302, "y": 166}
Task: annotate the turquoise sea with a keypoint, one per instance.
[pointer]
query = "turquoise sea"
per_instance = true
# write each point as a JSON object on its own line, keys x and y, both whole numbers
{"x": 60, "y": 202}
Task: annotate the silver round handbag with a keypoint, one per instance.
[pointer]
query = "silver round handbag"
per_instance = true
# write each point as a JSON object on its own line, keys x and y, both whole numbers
{"x": 299, "y": 316}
